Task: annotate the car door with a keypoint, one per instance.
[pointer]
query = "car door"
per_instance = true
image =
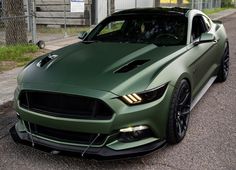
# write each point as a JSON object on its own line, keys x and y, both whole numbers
{"x": 203, "y": 60}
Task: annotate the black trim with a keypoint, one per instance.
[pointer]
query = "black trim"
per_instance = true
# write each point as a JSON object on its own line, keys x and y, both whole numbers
{"x": 68, "y": 136}
{"x": 65, "y": 105}
{"x": 131, "y": 66}
{"x": 155, "y": 93}
{"x": 157, "y": 10}
{"x": 96, "y": 153}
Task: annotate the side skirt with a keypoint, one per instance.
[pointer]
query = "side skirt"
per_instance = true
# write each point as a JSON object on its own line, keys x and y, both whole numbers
{"x": 202, "y": 92}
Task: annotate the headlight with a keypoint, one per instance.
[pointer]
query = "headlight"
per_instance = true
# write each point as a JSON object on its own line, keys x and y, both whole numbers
{"x": 145, "y": 96}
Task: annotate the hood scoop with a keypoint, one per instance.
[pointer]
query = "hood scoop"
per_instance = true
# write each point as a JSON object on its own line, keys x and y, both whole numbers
{"x": 131, "y": 66}
{"x": 46, "y": 60}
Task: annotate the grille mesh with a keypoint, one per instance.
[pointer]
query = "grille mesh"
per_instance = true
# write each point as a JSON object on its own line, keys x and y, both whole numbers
{"x": 64, "y": 105}
{"x": 66, "y": 136}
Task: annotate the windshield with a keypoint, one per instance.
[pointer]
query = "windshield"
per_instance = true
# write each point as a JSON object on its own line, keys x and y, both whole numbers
{"x": 161, "y": 30}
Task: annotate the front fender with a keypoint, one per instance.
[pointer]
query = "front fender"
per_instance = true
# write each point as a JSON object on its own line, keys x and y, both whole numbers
{"x": 173, "y": 73}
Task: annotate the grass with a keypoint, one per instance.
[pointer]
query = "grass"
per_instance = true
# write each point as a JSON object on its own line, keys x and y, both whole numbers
{"x": 15, "y": 56}
{"x": 214, "y": 10}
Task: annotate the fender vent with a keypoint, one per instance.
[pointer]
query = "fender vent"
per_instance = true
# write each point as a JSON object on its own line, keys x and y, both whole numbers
{"x": 130, "y": 66}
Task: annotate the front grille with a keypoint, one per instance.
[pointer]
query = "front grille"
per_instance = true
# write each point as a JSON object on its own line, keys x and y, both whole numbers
{"x": 64, "y": 105}
{"x": 65, "y": 136}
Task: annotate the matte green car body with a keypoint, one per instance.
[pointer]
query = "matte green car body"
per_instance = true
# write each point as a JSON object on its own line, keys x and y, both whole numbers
{"x": 88, "y": 70}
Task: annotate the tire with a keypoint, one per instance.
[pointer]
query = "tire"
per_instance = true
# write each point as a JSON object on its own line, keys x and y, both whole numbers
{"x": 179, "y": 113}
{"x": 224, "y": 66}
{"x": 41, "y": 44}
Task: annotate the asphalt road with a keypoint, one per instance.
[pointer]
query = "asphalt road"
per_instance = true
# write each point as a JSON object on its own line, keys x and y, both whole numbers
{"x": 210, "y": 142}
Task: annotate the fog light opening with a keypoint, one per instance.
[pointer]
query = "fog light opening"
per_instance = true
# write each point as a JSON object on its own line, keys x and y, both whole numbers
{"x": 136, "y": 133}
{"x": 133, "y": 129}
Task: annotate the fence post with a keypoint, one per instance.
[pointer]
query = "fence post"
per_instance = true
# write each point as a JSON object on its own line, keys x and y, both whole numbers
{"x": 200, "y": 5}
{"x": 65, "y": 27}
{"x": 192, "y": 4}
{"x": 157, "y": 3}
{"x": 211, "y": 4}
{"x": 112, "y": 6}
{"x": 108, "y": 7}
{"x": 179, "y": 3}
{"x": 33, "y": 15}
{"x": 109, "y": 11}
{"x": 28, "y": 4}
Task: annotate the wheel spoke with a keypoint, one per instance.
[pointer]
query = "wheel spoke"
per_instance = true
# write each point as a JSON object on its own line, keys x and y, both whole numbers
{"x": 226, "y": 59}
{"x": 226, "y": 63}
{"x": 185, "y": 122}
{"x": 185, "y": 100}
{"x": 179, "y": 128}
{"x": 185, "y": 113}
{"x": 183, "y": 110}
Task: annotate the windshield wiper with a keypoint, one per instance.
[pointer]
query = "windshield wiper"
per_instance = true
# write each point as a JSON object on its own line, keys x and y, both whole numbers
{"x": 90, "y": 41}
{"x": 87, "y": 42}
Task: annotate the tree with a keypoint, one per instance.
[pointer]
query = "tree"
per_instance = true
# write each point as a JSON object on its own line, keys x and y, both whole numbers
{"x": 15, "y": 22}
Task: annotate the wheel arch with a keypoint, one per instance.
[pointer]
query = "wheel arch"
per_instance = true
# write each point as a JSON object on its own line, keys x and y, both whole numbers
{"x": 187, "y": 77}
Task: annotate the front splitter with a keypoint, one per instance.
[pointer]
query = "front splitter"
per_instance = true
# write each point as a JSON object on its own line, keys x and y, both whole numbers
{"x": 92, "y": 152}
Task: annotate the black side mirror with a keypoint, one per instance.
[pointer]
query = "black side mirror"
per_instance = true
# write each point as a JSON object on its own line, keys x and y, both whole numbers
{"x": 205, "y": 38}
{"x": 82, "y": 35}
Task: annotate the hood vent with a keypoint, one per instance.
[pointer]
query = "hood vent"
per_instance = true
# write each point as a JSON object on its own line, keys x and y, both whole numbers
{"x": 130, "y": 66}
{"x": 45, "y": 60}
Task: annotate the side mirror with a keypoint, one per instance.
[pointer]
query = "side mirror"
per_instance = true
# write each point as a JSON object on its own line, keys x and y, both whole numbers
{"x": 82, "y": 35}
{"x": 205, "y": 38}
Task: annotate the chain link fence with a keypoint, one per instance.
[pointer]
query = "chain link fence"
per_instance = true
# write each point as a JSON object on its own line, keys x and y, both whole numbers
{"x": 13, "y": 23}
{"x": 205, "y": 4}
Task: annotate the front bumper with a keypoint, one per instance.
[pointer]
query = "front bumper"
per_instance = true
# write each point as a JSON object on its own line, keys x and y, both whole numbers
{"x": 97, "y": 153}
{"x": 153, "y": 115}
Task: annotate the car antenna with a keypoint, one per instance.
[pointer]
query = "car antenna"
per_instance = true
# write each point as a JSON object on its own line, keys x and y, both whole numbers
{"x": 86, "y": 149}
{"x": 31, "y": 136}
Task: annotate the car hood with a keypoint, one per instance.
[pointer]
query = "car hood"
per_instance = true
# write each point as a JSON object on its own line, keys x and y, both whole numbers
{"x": 94, "y": 66}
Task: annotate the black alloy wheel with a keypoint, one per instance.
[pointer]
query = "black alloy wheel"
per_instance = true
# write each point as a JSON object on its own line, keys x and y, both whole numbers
{"x": 179, "y": 113}
{"x": 226, "y": 63}
{"x": 224, "y": 67}
{"x": 183, "y": 110}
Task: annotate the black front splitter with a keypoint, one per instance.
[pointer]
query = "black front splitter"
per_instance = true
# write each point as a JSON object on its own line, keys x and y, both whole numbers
{"x": 94, "y": 153}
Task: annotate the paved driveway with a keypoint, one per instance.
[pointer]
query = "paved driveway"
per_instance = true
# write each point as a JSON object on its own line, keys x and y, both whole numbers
{"x": 209, "y": 144}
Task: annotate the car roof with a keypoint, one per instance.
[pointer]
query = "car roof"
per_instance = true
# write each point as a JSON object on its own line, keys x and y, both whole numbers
{"x": 157, "y": 10}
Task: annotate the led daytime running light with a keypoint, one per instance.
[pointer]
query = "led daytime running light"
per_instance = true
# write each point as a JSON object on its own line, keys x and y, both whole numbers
{"x": 133, "y": 129}
{"x": 132, "y": 98}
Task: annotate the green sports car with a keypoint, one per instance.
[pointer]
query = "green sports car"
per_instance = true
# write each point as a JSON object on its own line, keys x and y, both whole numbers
{"x": 126, "y": 89}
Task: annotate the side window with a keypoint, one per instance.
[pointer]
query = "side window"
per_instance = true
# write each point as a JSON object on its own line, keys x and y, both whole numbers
{"x": 112, "y": 27}
{"x": 198, "y": 27}
{"x": 207, "y": 23}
